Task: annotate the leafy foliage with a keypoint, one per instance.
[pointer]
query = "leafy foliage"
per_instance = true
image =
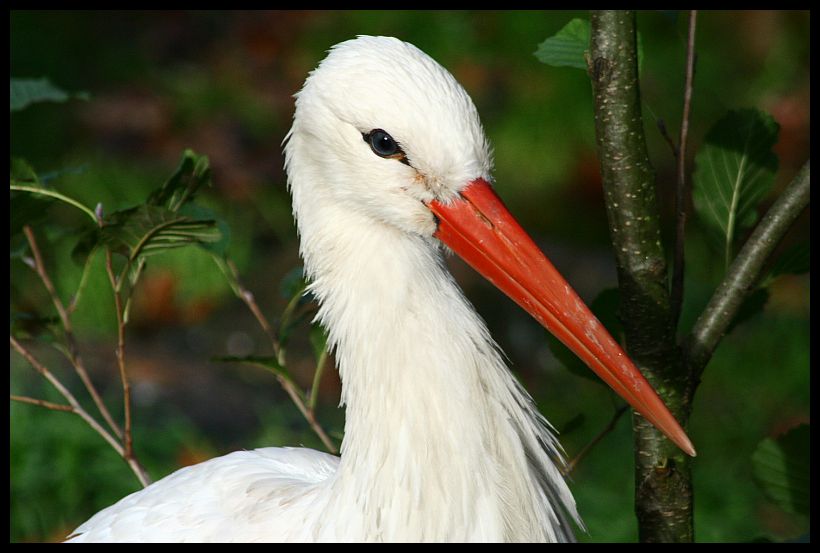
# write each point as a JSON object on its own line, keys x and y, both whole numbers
{"x": 20, "y": 170}
{"x": 148, "y": 230}
{"x": 795, "y": 260}
{"x": 24, "y": 92}
{"x": 267, "y": 362}
{"x": 28, "y": 210}
{"x": 751, "y": 306}
{"x": 781, "y": 469}
{"x": 293, "y": 287}
{"x": 161, "y": 223}
{"x": 318, "y": 340}
{"x": 568, "y": 47}
{"x": 735, "y": 168}
{"x": 193, "y": 173}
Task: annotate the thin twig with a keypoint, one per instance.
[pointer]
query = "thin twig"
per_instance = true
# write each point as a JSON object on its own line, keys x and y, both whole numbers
{"x": 54, "y": 194}
{"x": 126, "y": 387}
{"x": 75, "y": 299}
{"x": 307, "y": 411}
{"x": 247, "y": 296}
{"x": 317, "y": 377}
{"x": 284, "y": 321}
{"x": 40, "y": 267}
{"x": 665, "y": 134}
{"x": 291, "y": 390}
{"x": 572, "y": 465}
{"x": 676, "y": 294}
{"x": 75, "y": 405}
{"x": 73, "y": 352}
{"x": 42, "y": 403}
{"x": 136, "y": 468}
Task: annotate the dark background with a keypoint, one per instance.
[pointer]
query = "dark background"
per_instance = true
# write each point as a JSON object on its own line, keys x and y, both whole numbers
{"x": 221, "y": 83}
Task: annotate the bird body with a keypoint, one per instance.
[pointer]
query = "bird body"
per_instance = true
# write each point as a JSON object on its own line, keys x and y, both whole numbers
{"x": 239, "y": 497}
{"x": 386, "y": 161}
{"x": 441, "y": 443}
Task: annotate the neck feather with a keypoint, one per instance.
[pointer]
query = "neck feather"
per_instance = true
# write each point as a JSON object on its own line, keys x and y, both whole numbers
{"x": 440, "y": 436}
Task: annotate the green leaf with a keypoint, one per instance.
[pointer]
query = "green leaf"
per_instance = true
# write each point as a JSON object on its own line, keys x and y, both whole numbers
{"x": 27, "y": 209}
{"x": 795, "y": 260}
{"x": 30, "y": 325}
{"x": 318, "y": 340}
{"x": 266, "y": 362}
{"x": 568, "y": 47}
{"x": 781, "y": 469}
{"x": 146, "y": 230}
{"x": 291, "y": 319}
{"x": 192, "y": 173}
{"x": 20, "y": 171}
{"x": 292, "y": 287}
{"x": 573, "y": 424}
{"x": 197, "y": 212}
{"x": 31, "y": 196}
{"x": 24, "y": 92}
{"x": 228, "y": 272}
{"x": 23, "y": 178}
{"x": 735, "y": 169}
{"x": 605, "y": 308}
{"x": 167, "y": 220}
{"x": 293, "y": 283}
{"x": 57, "y": 173}
{"x": 751, "y": 306}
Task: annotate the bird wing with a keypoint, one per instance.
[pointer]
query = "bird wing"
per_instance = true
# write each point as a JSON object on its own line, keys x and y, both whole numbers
{"x": 266, "y": 494}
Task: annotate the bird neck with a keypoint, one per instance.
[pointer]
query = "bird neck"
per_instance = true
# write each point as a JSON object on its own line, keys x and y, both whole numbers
{"x": 440, "y": 440}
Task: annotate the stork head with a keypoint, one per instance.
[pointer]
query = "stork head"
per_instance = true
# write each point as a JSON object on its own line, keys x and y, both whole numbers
{"x": 388, "y": 130}
{"x": 381, "y": 129}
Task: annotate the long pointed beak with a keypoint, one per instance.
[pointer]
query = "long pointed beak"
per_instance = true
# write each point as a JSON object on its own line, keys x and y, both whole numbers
{"x": 478, "y": 227}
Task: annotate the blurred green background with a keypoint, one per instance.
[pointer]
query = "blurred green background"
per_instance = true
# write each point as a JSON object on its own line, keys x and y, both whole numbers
{"x": 221, "y": 83}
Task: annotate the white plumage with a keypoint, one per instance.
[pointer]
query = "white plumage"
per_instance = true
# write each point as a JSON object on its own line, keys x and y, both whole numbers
{"x": 238, "y": 497}
{"x": 441, "y": 443}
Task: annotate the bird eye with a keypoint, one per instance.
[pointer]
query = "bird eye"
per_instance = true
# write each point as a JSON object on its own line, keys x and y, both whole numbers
{"x": 384, "y": 145}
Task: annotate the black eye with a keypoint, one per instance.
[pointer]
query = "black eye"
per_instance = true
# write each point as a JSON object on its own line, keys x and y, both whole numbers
{"x": 383, "y": 145}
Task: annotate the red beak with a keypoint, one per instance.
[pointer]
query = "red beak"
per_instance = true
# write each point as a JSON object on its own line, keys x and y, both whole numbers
{"x": 478, "y": 227}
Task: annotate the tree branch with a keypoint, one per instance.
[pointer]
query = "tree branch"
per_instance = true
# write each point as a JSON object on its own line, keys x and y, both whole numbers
{"x": 75, "y": 407}
{"x": 120, "y": 354}
{"x": 663, "y": 480}
{"x": 42, "y": 403}
{"x": 65, "y": 318}
{"x": 743, "y": 274}
{"x": 308, "y": 413}
{"x": 307, "y": 410}
{"x": 124, "y": 450}
{"x": 680, "y": 182}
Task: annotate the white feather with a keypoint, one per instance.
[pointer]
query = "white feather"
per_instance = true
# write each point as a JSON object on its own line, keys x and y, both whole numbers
{"x": 441, "y": 442}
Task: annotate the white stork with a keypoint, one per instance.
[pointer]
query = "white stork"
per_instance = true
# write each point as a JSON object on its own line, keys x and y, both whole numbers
{"x": 387, "y": 160}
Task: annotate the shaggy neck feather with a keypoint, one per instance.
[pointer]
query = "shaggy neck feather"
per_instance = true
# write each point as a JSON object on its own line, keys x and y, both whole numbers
{"x": 438, "y": 434}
